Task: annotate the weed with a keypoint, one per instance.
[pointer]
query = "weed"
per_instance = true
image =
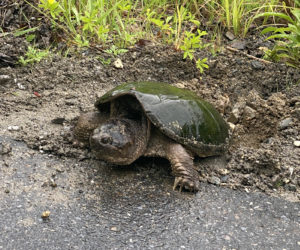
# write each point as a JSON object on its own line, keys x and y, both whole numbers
{"x": 115, "y": 51}
{"x": 33, "y": 55}
{"x": 172, "y": 32}
{"x": 104, "y": 61}
{"x": 287, "y": 45}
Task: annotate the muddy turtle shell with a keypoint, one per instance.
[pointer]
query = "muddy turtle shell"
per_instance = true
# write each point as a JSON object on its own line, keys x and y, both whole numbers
{"x": 178, "y": 113}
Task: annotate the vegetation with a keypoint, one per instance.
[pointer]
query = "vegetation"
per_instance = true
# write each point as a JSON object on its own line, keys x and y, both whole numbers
{"x": 287, "y": 45}
{"x": 33, "y": 55}
{"x": 117, "y": 24}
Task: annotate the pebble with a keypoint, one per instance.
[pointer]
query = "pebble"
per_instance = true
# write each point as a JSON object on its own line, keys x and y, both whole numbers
{"x": 5, "y": 148}
{"x": 285, "y": 123}
{"x": 240, "y": 45}
{"x": 45, "y": 215}
{"x": 58, "y": 120}
{"x": 214, "y": 180}
{"x": 297, "y": 143}
{"x": 229, "y": 35}
{"x": 291, "y": 187}
{"x": 257, "y": 65}
{"x": 234, "y": 116}
{"x": 118, "y": 64}
{"x": 115, "y": 229}
{"x": 296, "y": 113}
{"x": 231, "y": 125}
{"x": 224, "y": 179}
{"x": 20, "y": 86}
{"x": 13, "y": 128}
{"x": 4, "y": 79}
{"x": 249, "y": 113}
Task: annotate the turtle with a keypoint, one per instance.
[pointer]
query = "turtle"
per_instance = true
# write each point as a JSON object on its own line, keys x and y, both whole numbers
{"x": 154, "y": 119}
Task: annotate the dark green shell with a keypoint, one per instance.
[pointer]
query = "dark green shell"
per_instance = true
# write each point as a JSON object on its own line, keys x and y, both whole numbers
{"x": 178, "y": 113}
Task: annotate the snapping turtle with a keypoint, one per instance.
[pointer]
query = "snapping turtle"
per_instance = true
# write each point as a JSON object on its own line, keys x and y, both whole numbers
{"x": 154, "y": 119}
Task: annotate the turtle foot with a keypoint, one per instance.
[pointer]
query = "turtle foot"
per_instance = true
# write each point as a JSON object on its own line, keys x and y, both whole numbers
{"x": 186, "y": 176}
{"x": 186, "y": 183}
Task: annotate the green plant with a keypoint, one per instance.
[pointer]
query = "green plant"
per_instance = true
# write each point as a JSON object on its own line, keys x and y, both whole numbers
{"x": 190, "y": 43}
{"x": 172, "y": 32}
{"x": 238, "y": 15}
{"x": 52, "y": 6}
{"x": 104, "y": 61}
{"x": 115, "y": 51}
{"x": 33, "y": 55}
{"x": 92, "y": 21}
{"x": 287, "y": 45}
{"x": 201, "y": 65}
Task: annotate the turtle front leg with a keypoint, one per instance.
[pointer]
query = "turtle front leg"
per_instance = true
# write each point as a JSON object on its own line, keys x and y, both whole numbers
{"x": 183, "y": 168}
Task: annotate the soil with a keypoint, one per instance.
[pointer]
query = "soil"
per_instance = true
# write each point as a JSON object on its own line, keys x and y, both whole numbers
{"x": 40, "y": 103}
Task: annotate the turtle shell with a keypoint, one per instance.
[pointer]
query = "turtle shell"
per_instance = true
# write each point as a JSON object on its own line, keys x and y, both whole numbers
{"x": 178, "y": 113}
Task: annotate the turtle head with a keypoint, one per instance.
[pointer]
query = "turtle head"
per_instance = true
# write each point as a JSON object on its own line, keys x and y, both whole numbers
{"x": 117, "y": 141}
{"x": 85, "y": 126}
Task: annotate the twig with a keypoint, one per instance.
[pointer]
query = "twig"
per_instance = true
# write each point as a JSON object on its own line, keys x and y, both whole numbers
{"x": 245, "y": 54}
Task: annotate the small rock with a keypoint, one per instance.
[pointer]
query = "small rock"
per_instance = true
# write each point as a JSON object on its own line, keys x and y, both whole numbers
{"x": 285, "y": 123}
{"x": 295, "y": 100}
{"x": 134, "y": 55}
{"x": 249, "y": 113}
{"x": 223, "y": 171}
{"x": 5, "y": 148}
{"x": 297, "y": 143}
{"x": 52, "y": 183}
{"x": 286, "y": 180}
{"x": 236, "y": 112}
{"x": 58, "y": 120}
{"x": 231, "y": 126}
{"x": 269, "y": 140}
{"x": 20, "y": 86}
{"x": 234, "y": 116}
{"x": 224, "y": 178}
{"x": 257, "y": 65}
{"x": 45, "y": 215}
{"x": 6, "y": 191}
{"x": 296, "y": 113}
{"x": 238, "y": 44}
{"x": 4, "y": 79}
{"x": 13, "y": 128}
{"x": 59, "y": 168}
{"x": 214, "y": 180}
{"x": 115, "y": 229}
{"x": 118, "y": 64}
{"x": 291, "y": 187}
{"x": 227, "y": 238}
{"x": 70, "y": 102}
{"x": 229, "y": 36}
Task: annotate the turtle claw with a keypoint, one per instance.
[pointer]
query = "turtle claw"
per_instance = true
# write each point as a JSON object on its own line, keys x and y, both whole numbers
{"x": 188, "y": 184}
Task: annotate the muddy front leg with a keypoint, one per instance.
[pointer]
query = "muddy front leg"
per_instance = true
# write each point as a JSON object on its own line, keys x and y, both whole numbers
{"x": 183, "y": 168}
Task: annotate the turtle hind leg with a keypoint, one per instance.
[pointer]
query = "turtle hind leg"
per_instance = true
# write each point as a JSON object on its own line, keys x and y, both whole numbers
{"x": 183, "y": 168}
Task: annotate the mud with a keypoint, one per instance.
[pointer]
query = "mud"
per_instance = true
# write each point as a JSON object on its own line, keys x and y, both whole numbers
{"x": 41, "y": 103}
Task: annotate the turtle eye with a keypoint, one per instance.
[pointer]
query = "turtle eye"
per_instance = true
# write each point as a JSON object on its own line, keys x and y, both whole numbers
{"x": 106, "y": 140}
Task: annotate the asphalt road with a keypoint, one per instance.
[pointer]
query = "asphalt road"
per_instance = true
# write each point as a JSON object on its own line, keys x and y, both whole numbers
{"x": 94, "y": 206}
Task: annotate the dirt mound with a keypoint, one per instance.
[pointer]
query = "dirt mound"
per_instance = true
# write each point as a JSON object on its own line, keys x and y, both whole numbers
{"x": 261, "y": 101}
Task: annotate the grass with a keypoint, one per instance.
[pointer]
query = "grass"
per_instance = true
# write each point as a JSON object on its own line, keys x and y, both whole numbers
{"x": 118, "y": 24}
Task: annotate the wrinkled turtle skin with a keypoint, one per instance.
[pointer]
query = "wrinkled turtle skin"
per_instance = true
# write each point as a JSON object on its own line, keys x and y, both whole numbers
{"x": 154, "y": 119}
